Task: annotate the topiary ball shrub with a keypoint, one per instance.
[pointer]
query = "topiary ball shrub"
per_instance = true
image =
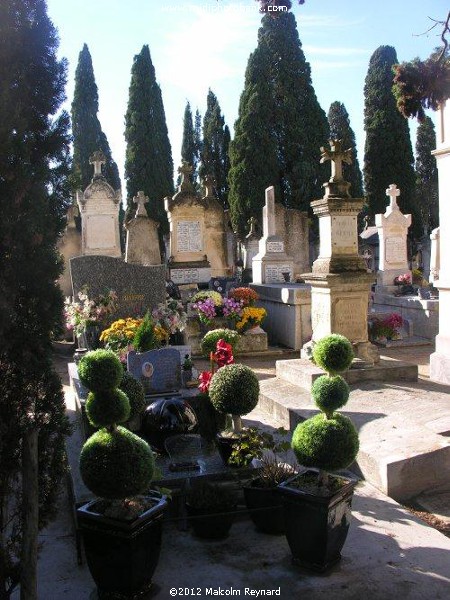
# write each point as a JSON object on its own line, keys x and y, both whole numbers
{"x": 107, "y": 407}
{"x": 234, "y": 389}
{"x": 100, "y": 370}
{"x": 330, "y": 393}
{"x": 135, "y": 392}
{"x": 116, "y": 464}
{"x": 326, "y": 443}
{"x": 210, "y": 339}
{"x": 333, "y": 353}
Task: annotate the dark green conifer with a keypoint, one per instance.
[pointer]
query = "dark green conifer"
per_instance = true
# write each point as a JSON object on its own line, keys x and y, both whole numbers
{"x": 427, "y": 176}
{"x": 148, "y": 164}
{"x": 280, "y": 127}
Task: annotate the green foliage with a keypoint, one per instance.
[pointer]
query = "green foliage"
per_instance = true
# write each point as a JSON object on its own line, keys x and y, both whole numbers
{"x": 234, "y": 389}
{"x": 326, "y": 443}
{"x": 333, "y": 353}
{"x": 427, "y": 176}
{"x": 208, "y": 496}
{"x": 148, "y": 162}
{"x": 251, "y": 443}
{"x": 340, "y": 129}
{"x": 190, "y": 146}
{"x": 34, "y": 165}
{"x": 210, "y": 339}
{"x": 100, "y": 370}
{"x": 330, "y": 393}
{"x": 107, "y": 407}
{"x": 280, "y": 127}
{"x": 145, "y": 338}
{"x": 86, "y": 128}
{"x": 215, "y": 145}
{"x": 135, "y": 393}
{"x": 388, "y": 156}
{"x": 116, "y": 464}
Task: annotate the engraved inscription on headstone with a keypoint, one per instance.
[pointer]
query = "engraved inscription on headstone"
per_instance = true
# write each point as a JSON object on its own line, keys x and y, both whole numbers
{"x": 344, "y": 232}
{"x": 395, "y": 249}
{"x": 184, "y": 275}
{"x": 347, "y": 318}
{"x": 274, "y": 272}
{"x": 189, "y": 236}
{"x": 320, "y": 314}
{"x": 275, "y": 246}
{"x": 158, "y": 370}
{"x": 103, "y": 225}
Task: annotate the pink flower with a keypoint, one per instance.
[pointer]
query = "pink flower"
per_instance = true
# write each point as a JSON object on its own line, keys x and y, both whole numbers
{"x": 205, "y": 379}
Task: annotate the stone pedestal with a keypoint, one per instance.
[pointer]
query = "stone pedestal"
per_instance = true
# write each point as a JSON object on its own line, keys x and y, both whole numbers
{"x": 392, "y": 234}
{"x": 435, "y": 258}
{"x": 271, "y": 264}
{"x": 440, "y": 360}
{"x": 142, "y": 236}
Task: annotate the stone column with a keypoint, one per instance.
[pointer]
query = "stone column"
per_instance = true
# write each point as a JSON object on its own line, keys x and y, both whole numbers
{"x": 435, "y": 258}
{"x": 340, "y": 284}
{"x": 440, "y": 360}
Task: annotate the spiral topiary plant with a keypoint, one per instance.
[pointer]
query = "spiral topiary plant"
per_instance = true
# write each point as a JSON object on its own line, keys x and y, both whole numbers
{"x": 234, "y": 389}
{"x": 210, "y": 339}
{"x": 329, "y": 440}
{"x": 114, "y": 463}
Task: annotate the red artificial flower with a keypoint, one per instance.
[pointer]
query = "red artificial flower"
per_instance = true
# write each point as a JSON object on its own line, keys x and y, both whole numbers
{"x": 223, "y": 354}
{"x": 205, "y": 379}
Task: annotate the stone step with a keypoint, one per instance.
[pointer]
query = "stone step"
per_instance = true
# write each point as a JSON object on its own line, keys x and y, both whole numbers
{"x": 399, "y": 453}
{"x": 303, "y": 372}
{"x": 406, "y": 342}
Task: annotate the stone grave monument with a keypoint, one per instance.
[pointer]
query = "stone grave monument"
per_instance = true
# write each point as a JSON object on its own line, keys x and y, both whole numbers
{"x": 271, "y": 264}
{"x": 340, "y": 283}
{"x": 198, "y": 246}
{"x": 435, "y": 258}
{"x": 99, "y": 210}
{"x": 69, "y": 245}
{"x": 392, "y": 229}
{"x": 250, "y": 249}
{"x": 142, "y": 246}
{"x": 293, "y": 227}
{"x": 440, "y": 359}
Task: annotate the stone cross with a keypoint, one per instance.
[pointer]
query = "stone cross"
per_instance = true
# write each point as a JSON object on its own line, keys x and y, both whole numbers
{"x": 97, "y": 159}
{"x": 393, "y": 192}
{"x": 140, "y": 200}
{"x": 269, "y": 213}
{"x": 209, "y": 183}
{"x": 252, "y": 222}
{"x": 185, "y": 170}
{"x": 337, "y": 156}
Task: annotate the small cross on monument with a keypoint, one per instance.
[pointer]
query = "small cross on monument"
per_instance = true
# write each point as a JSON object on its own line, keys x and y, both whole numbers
{"x": 337, "y": 156}
{"x": 252, "y": 222}
{"x": 97, "y": 159}
{"x": 209, "y": 182}
{"x": 140, "y": 200}
{"x": 393, "y": 192}
{"x": 185, "y": 170}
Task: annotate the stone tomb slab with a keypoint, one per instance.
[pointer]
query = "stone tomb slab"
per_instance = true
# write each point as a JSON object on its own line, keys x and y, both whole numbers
{"x": 138, "y": 288}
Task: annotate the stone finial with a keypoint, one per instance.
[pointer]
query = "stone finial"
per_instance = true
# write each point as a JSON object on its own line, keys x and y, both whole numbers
{"x": 252, "y": 232}
{"x": 97, "y": 159}
{"x": 208, "y": 183}
{"x": 393, "y": 192}
{"x": 337, "y": 156}
{"x": 140, "y": 200}
{"x": 185, "y": 170}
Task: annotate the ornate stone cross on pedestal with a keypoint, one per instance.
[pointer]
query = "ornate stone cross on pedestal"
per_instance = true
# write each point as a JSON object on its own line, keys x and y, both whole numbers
{"x": 393, "y": 192}
{"x": 140, "y": 200}
{"x": 97, "y": 159}
{"x": 337, "y": 156}
{"x": 208, "y": 183}
{"x": 185, "y": 170}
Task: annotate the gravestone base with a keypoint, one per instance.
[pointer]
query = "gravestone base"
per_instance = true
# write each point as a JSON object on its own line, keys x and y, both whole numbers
{"x": 422, "y": 314}
{"x": 190, "y": 272}
{"x": 270, "y": 268}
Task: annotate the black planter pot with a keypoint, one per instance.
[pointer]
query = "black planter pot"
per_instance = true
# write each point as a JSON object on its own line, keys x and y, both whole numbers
{"x": 122, "y": 555}
{"x": 214, "y": 524}
{"x": 225, "y": 447}
{"x": 265, "y": 506}
{"x": 316, "y": 526}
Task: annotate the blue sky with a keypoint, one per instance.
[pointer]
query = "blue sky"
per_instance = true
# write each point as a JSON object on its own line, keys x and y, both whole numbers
{"x": 199, "y": 44}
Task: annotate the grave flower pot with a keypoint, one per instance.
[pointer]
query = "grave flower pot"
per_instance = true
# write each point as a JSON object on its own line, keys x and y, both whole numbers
{"x": 266, "y": 507}
{"x": 122, "y": 555}
{"x": 316, "y": 525}
{"x": 210, "y": 524}
{"x": 90, "y": 338}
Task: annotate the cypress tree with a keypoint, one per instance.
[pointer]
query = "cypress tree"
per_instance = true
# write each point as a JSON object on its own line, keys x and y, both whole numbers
{"x": 214, "y": 154}
{"x": 34, "y": 166}
{"x": 280, "y": 127}
{"x": 388, "y": 154}
{"x": 148, "y": 164}
{"x": 86, "y": 129}
{"x": 427, "y": 176}
{"x": 340, "y": 129}
{"x": 189, "y": 152}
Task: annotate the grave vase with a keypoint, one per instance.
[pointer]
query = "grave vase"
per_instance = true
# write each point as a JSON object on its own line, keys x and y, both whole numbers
{"x": 90, "y": 338}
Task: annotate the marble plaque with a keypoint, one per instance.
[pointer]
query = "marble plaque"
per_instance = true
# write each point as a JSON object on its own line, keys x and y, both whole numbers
{"x": 274, "y": 272}
{"x": 275, "y": 246}
{"x": 100, "y": 231}
{"x": 395, "y": 250}
{"x": 344, "y": 233}
{"x": 158, "y": 370}
{"x": 189, "y": 236}
{"x": 184, "y": 275}
{"x": 350, "y": 318}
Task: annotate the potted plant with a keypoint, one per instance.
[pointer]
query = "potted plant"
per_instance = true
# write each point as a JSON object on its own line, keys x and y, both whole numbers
{"x": 146, "y": 337}
{"x": 186, "y": 370}
{"x": 317, "y": 504}
{"x": 261, "y": 495}
{"x": 234, "y": 390}
{"x": 122, "y": 527}
{"x": 211, "y": 510}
